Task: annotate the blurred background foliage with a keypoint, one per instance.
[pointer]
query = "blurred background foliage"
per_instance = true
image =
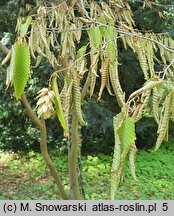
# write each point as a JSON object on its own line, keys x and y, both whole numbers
{"x": 17, "y": 132}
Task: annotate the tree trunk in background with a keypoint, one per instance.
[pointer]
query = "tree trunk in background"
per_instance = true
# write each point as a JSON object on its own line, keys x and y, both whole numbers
{"x": 73, "y": 158}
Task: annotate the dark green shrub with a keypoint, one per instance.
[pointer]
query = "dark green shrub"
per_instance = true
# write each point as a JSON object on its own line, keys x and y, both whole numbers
{"x": 98, "y": 135}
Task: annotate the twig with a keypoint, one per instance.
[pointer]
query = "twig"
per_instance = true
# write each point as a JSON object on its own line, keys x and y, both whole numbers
{"x": 122, "y": 31}
{"x": 165, "y": 71}
{"x": 30, "y": 112}
{"x": 68, "y": 30}
{"x": 146, "y": 38}
{"x": 154, "y": 3}
{"x": 85, "y": 11}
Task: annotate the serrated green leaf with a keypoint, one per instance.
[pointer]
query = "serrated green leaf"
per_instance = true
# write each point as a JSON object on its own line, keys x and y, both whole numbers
{"x": 127, "y": 133}
{"x": 102, "y": 27}
{"x": 81, "y": 52}
{"x": 21, "y": 68}
{"x": 110, "y": 36}
{"x": 132, "y": 156}
{"x": 95, "y": 36}
{"x": 24, "y": 27}
{"x": 117, "y": 122}
{"x": 116, "y": 169}
{"x": 58, "y": 105}
{"x": 110, "y": 32}
{"x": 124, "y": 132}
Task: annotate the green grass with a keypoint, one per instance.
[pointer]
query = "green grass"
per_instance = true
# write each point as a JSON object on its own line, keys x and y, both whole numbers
{"x": 27, "y": 177}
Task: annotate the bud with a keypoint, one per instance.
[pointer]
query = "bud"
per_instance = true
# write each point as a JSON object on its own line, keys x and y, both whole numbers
{"x": 45, "y": 103}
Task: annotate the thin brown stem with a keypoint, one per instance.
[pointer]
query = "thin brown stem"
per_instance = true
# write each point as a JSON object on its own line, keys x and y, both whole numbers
{"x": 165, "y": 71}
{"x": 43, "y": 145}
{"x": 30, "y": 112}
{"x": 49, "y": 162}
{"x": 73, "y": 173}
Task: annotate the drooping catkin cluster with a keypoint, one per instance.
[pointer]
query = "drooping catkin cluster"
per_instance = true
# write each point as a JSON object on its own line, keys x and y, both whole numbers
{"x": 45, "y": 103}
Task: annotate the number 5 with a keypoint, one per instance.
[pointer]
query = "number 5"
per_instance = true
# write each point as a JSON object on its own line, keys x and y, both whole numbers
{"x": 165, "y": 206}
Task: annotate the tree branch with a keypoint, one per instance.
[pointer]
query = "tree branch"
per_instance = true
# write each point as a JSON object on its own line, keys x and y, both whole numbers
{"x": 154, "y": 3}
{"x": 165, "y": 71}
{"x": 30, "y": 112}
{"x": 74, "y": 183}
{"x": 49, "y": 162}
{"x": 85, "y": 11}
{"x": 122, "y": 31}
{"x": 3, "y": 48}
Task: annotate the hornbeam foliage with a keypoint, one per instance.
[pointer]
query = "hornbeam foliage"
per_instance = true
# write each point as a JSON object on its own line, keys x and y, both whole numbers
{"x": 80, "y": 43}
{"x": 19, "y": 69}
{"x": 58, "y": 105}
